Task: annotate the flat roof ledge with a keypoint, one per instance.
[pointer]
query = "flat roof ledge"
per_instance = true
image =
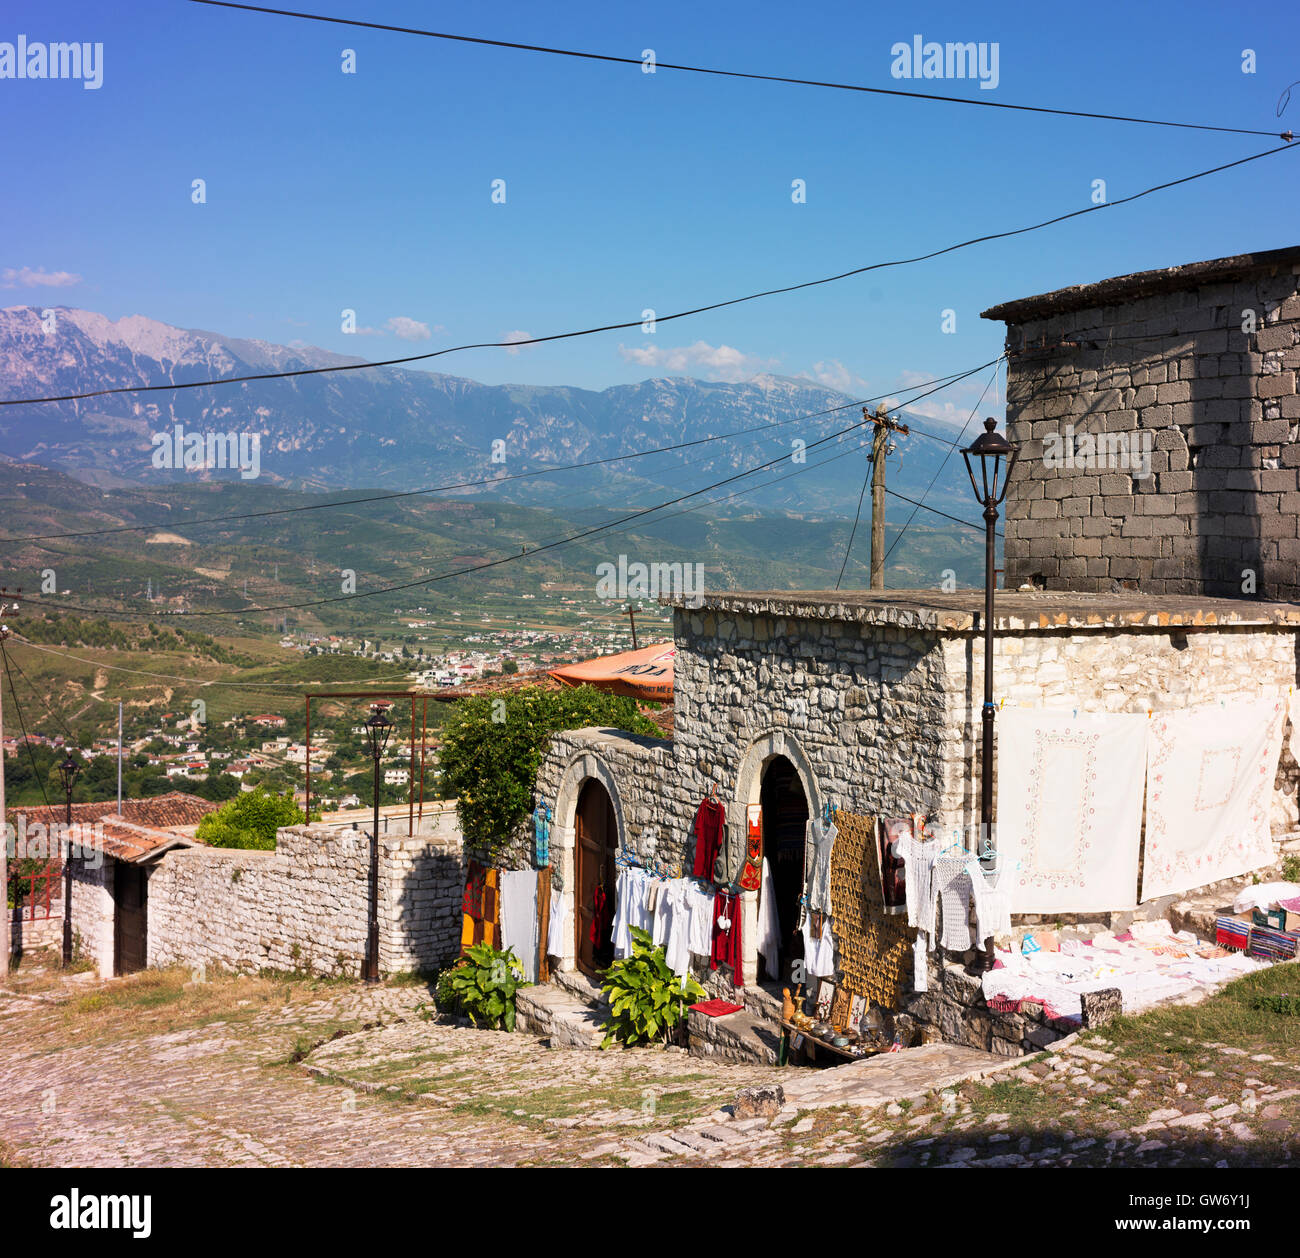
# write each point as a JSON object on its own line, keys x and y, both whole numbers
{"x": 1127, "y": 288}
{"x": 961, "y": 611}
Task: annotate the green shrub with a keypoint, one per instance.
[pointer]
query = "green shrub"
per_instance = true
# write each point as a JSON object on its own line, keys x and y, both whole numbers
{"x": 483, "y": 986}
{"x": 647, "y": 1001}
{"x": 490, "y": 765}
{"x": 250, "y": 820}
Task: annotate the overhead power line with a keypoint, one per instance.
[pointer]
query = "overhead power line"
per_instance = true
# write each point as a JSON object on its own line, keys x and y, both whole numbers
{"x": 492, "y": 563}
{"x": 488, "y": 480}
{"x": 636, "y": 323}
{"x": 734, "y": 74}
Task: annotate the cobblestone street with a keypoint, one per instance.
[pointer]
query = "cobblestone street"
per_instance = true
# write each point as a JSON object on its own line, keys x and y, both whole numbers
{"x": 158, "y": 1071}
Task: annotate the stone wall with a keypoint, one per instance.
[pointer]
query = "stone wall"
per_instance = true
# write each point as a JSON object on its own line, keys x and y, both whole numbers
{"x": 1220, "y": 406}
{"x": 303, "y": 907}
{"x": 92, "y": 913}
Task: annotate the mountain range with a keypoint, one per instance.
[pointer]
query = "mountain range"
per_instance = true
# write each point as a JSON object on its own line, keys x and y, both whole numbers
{"x": 399, "y": 429}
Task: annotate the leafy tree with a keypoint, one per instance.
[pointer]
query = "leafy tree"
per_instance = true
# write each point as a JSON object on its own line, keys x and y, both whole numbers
{"x": 490, "y": 765}
{"x": 250, "y": 820}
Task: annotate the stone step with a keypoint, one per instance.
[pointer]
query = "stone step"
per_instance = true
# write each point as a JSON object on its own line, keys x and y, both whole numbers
{"x": 555, "y": 1014}
{"x": 737, "y": 1037}
{"x": 579, "y": 985}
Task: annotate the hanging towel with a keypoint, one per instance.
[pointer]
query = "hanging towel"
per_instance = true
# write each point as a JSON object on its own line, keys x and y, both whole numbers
{"x": 519, "y": 917}
{"x": 677, "y": 937}
{"x": 820, "y": 839}
{"x": 1070, "y": 808}
{"x": 555, "y": 934}
{"x": 1210, "y": 774}
{"x": 769, "y": 926}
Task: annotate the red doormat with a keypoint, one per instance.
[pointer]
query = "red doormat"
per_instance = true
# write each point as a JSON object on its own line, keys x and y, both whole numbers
{"x": 716, "y": 1008}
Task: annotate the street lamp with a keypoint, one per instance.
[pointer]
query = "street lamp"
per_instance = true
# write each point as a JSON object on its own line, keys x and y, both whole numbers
{"x": 378, "y": 727}
{"x": 68, "y": 771}
{"x": 990, "y": 448}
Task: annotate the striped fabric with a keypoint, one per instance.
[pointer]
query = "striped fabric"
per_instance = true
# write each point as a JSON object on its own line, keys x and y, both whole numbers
{"x": 1230, "y": 933}
{"x": 1271, "y": 945}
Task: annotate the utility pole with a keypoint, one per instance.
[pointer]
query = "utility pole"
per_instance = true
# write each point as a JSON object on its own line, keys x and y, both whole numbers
{"x": 880, "y": 447}
{"x": 5, "y": 608}
{"x": 630, "y": 613}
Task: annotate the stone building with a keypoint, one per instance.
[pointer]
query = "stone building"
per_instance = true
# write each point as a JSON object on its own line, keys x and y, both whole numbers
{"x": 870, "y": 702}
{"x": 1157, "y": 417}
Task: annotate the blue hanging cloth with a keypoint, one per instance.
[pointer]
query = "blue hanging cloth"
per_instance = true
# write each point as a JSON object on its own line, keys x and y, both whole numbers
{"x": 542, "y": 835}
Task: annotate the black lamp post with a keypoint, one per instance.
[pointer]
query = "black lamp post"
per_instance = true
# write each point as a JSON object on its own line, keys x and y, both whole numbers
{"x": 68, "y": 771}
{"x": 990, "y": 448}
{"x": 378, "y": 727}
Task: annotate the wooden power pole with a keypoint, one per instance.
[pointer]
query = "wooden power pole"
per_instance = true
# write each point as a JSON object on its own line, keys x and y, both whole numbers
{"x": 5, "y": 608}
{"x": 630, "y": 613}
{"x": 880, "y": 447}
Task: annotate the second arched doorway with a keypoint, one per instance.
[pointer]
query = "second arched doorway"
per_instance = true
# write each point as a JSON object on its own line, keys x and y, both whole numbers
{"x": 785, "y": 823}
{"x": 596, "y": 850}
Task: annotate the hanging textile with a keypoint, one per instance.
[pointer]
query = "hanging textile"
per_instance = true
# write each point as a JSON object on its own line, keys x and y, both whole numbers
{"x": 710, "y": 827}
{"x": 1070, "y": 808}
{"x": 542, "y": 835}
{"x": 918, "y": 857}
{"x": 893, "y": 868}
{"x": 952, "y": 886}
{"x": 769, "y": 926}
{"x": 556, "y": 932}
{"x": 992, "y": 904}
{"x": 700, "y": 905}
{"x": 1210, "y": 774}
{"x": 820, "y": 841}
{"x": 752, "y": 874}
{"x": 519, "y": 917}
{"x": 873, "y": 948}
{"x": 600, "y": 917}
{"x": 479, "y": 907}
{"x": 726, "y": 936}
{"x": 818, "y": 946}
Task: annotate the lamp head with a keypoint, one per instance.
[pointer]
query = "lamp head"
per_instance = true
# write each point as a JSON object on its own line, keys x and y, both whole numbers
{"x": 990, "y": 448}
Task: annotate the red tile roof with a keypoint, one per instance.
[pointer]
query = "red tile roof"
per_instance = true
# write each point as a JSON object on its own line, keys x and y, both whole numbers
{"x": 175, "y": 808}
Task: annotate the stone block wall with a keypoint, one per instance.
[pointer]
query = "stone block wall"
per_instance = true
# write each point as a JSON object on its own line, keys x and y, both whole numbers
{"x": 92, "y": 913}
{"x": 303, "y": 907}
{"x": 1220, "y": 407}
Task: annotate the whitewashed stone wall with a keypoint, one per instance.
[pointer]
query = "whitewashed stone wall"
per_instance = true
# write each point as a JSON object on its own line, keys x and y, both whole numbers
{"x": 303, "y": 907}
{"x": 92, "y": 913}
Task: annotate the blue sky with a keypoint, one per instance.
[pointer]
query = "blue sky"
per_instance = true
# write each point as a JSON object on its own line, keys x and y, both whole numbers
{"x": 626, "y": 191}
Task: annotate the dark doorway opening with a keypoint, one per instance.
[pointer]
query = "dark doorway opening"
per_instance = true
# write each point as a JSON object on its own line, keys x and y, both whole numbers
{"x": 597, "y": 848}
{"x": 130, "y": 917}
{"x": 785, "y": 822}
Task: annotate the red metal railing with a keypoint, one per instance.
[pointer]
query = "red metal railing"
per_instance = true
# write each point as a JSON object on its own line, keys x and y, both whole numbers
{"x": 34, "y": 893}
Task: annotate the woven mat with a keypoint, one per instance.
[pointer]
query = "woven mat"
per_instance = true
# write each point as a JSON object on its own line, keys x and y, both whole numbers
{"x": 875, "y": 950}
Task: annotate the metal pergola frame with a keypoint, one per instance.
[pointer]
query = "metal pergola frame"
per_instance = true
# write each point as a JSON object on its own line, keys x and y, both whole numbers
{"x": 414, "y": 696}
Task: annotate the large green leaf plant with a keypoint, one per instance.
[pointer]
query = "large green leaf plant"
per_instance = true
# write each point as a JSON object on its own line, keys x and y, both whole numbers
{"x": 647, "y": 1001}
{"x": 484, "y": 984}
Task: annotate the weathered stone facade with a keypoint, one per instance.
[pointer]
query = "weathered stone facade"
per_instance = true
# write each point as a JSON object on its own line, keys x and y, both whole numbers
{"x": 1198, "y": 360}
{"x": 874, "y": 699}
{"x": 301, "y": 908}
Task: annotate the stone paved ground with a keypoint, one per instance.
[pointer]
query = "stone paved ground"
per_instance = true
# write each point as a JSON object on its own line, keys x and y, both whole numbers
{"x": 155, "y": 1070}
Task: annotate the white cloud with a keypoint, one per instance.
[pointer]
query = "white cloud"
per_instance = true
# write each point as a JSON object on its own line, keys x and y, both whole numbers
{"x": 720, "y": 362}
{"x": 516, "y": 335}
{"x": 408, "y": 329}
{"x": 25, "y": 277}
{"x": 835, "y": 375}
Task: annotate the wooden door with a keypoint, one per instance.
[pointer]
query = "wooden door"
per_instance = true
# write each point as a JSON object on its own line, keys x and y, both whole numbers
{"x": 597, "y": 845}
{"x": 130, "y": 918}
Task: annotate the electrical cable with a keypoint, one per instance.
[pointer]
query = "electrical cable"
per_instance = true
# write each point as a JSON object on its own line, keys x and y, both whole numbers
{"x": 636, "y": 323}
{"x": 731, "y": 74}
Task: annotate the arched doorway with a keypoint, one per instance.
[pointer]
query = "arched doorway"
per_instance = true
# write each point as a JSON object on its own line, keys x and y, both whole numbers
{"x": 596, "y": 848}
{"x": 785, "y": 821}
